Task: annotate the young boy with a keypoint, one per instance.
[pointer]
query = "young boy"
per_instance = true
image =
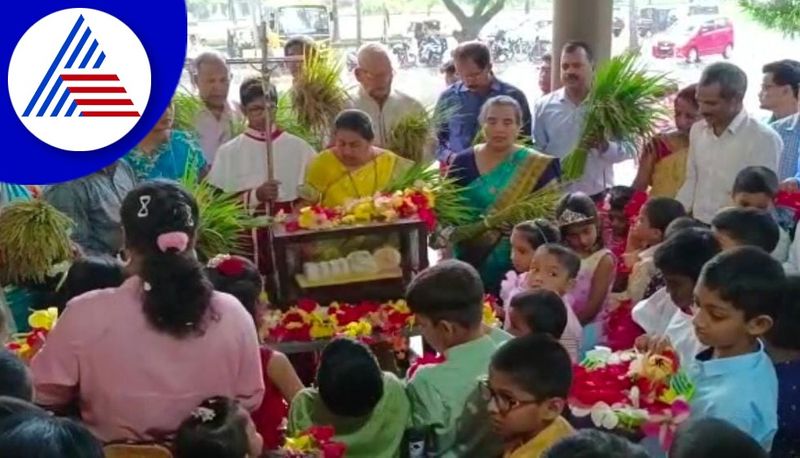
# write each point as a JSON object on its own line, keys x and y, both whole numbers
{"x": 735, "y": 227}
{"x": 555, "y": 267}
{"x": 591, "y": 443}
{"x": 447, "y": 301}
{"x": 240, "y": 165}
{"x": 756, "y": 187}
{"x": 526, "y": 392}
{"x": 537, "y": 311}
{"x": 666, "y": 316}
{"x": 737, "y": 297}
{"x": 715, "y": 438}
{"x": 650, "y": 230}
{"x": 15, "y": 380}
{"x": 783, "y": 346}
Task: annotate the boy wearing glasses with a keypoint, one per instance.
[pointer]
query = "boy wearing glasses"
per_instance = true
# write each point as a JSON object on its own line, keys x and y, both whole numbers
{"x": 529, "y": 380}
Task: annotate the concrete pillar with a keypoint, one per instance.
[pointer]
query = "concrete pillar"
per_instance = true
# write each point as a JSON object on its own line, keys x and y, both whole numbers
{"x": 585, "y": 20}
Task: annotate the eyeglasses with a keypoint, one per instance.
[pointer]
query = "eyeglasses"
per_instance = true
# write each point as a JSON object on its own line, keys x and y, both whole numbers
{"x": 504, "y": 404}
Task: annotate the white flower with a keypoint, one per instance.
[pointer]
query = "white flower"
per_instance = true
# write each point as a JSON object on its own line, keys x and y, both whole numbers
{"x": 204, "y": 414}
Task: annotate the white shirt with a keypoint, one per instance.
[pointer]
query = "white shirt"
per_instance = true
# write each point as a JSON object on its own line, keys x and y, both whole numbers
{"x": 557, "y": 128}
{"x": 792, "y": 265}
{"x": 659, "y": 316}
{"x": 714, "y": 162}
{"x": 241, "y": 164}
{"x": 384, "y": 118}
{"x": 214, "y": 132}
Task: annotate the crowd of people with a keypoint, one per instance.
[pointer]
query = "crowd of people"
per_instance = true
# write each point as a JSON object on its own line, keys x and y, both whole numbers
{"x": 695, "y": 255}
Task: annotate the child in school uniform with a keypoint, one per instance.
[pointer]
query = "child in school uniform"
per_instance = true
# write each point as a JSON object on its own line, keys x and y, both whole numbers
{"x": 526, "y": 391}
{"x": 444, "y": 397}
{"x": 737, "y": 297}
{"x": 783, "y": 346}
{"x": 738, "y": 226}
{"x": 666, "y": 316}
{"x": 577, "y": 218}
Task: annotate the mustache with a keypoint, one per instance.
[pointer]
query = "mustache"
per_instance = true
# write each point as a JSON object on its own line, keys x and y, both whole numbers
{"x": 570, "y": 76}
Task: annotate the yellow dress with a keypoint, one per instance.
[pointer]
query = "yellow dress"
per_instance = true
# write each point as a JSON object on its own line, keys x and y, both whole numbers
{"x": 669, "y": 170}
{"x": 329, "y": 183}
{"x": 535, "y": 447}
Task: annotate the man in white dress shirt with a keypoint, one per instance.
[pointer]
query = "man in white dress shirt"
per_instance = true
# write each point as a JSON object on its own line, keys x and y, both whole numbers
{"x": 558, "y": 122}
{"x": 375, "y": 95}
{"x": 216, "y": 123}
{"x": 724, "y": 142}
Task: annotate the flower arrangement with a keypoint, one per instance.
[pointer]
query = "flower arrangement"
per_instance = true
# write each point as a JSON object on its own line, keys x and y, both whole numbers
{"x": 382, "y": 207}
{"x": 632, "y": 391}
{"x": 316, "y": 442}
{"x": 26, "y": 345}
{"x": 367, "y": 320}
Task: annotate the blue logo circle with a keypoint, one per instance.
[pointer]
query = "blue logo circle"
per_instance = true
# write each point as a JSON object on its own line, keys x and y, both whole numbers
{"x": 78, "y": 97}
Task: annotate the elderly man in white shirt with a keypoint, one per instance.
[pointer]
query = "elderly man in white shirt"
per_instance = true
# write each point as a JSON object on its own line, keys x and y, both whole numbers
{"x": 724, "y": 142}
{"x": 558, "y": 122}
{"x": 216, "y": 122}
{"x": 375, "y": 94}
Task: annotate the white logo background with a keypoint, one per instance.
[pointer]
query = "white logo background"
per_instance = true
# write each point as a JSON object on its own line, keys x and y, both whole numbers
{"x": 34, "y": 54}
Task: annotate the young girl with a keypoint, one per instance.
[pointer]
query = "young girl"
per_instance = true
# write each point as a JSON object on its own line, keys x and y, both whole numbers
{"x": 525, "y": 239}
{"x": 218, "y": 428}
{"x": 239, "y": 277}
{"x": 576, "y": 216}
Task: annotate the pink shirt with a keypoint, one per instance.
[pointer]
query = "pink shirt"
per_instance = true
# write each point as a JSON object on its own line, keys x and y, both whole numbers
{"x": 134, "y": 382}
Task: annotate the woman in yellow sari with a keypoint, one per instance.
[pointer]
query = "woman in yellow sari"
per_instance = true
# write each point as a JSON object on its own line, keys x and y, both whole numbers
{"x": 352, "y": 167}
{"x": 662, "y": 163}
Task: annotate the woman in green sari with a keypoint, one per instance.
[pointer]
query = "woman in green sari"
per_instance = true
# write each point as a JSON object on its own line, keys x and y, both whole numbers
{"x": 493, "y": 175}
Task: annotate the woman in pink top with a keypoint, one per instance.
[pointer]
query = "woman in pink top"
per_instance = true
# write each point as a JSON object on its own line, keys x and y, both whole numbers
{"x": 139, "y": 358}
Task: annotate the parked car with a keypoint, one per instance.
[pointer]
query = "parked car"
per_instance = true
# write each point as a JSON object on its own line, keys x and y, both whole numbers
{"x": 695, "y": 39}
{"x": 654, "y": 20}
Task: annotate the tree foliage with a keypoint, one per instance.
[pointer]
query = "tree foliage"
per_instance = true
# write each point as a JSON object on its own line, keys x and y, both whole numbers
{"x": 782, "y": 15}
{"x": 482, "y": 12}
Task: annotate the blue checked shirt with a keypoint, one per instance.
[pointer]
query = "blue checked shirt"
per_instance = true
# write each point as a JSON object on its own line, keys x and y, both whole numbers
{"x": 457, "y": 133}
{"x": 789, "y": 130}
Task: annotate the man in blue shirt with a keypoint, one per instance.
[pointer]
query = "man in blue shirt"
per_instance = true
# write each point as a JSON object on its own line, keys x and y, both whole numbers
{"x": 779, "y": 94}
{"x": 462, "y": 101}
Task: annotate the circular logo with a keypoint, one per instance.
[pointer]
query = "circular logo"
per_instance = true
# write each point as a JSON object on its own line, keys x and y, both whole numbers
{"x": 79, "y": 79}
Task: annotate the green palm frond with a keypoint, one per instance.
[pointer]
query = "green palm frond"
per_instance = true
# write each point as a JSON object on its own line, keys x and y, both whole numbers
{"x": 187, "y": 107}
{"x": 781, "y": 15}
{"x": 450, "y": 205}
{"x": 224, "y": 219}
{"x": 414, "y": 132}
{"x": 317, "y": 94}
{"x": 286, "y": 118}
{"x": 34, "y": 236}
{"x": 623, "y": 105}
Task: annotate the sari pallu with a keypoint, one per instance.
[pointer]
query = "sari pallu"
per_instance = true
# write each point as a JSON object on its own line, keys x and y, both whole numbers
{"x": 522, "y": 173}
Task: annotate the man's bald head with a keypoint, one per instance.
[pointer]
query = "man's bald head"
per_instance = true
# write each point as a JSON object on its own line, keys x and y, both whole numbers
{"x": 374, "y": 71}
{"x": 212, "y": 78}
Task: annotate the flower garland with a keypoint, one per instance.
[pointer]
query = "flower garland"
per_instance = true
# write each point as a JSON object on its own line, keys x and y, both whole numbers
{"x": 382, "y": 207}
{"x": 632, "y": 391}
{"x": 317, "y": 442}
{"x": 26, "y": 345}
{"x": 367, "y": 320}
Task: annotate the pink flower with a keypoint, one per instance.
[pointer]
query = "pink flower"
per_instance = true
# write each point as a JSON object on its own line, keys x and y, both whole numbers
{"x": 663, "y": 424}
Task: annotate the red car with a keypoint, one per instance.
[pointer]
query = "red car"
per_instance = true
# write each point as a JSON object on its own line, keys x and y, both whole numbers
{"x": 701, "y": 37}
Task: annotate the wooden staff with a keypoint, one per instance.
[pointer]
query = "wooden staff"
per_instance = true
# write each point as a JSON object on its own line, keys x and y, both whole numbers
{"x": 265, "y": 84}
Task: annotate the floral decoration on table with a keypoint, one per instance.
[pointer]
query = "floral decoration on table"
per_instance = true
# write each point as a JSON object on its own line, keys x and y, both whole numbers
{"x": 316, "y": 442}
{"x": 382, "y": 207}
{"x": 368, "y": 321}
{"x": 632, "y": 391}
{"x": 26, "y": 345}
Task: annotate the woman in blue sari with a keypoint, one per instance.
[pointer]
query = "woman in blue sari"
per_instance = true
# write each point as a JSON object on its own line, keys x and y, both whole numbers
{"x": 167, "y": 153}
{"x": 493, "y": 175}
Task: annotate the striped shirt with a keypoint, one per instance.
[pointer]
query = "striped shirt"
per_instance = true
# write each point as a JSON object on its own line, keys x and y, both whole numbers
{"x": 789, "y": 130}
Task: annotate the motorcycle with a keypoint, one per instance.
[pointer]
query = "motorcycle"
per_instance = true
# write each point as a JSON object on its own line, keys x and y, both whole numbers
{"x": 405, "y": 57}
{"x": 432, "y": 49}
{"x": 501, "y": 48}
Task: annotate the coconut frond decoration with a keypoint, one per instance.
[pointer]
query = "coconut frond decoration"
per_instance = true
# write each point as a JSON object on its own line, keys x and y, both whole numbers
{"x": 318, "y": 95}
{"x": 286, "y": 118}
{"x": 624, "y": 104}
{"x": 450, "y": 205}
{"x": 539, "y": 204}
{"x": 34, "y": 237}
{"x": 410, "y": 135}
{"x": 224, "y": 219}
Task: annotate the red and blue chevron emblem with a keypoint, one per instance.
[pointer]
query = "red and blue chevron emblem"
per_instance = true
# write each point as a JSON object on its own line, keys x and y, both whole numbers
{"x": 76, "y": 84}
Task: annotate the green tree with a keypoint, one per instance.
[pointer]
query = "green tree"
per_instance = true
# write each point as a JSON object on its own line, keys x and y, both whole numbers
{"x": 482, "y": 12}
{"x": 782, "y": 15}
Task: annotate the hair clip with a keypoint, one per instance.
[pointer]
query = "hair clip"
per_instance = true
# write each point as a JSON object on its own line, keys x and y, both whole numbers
{"x": 146, "y": 286}
{"x": 144, "y": 201}
{"x": 214, "y": 262}
{"x": 204, "y": 414}
{"x": 570, "y": 217}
